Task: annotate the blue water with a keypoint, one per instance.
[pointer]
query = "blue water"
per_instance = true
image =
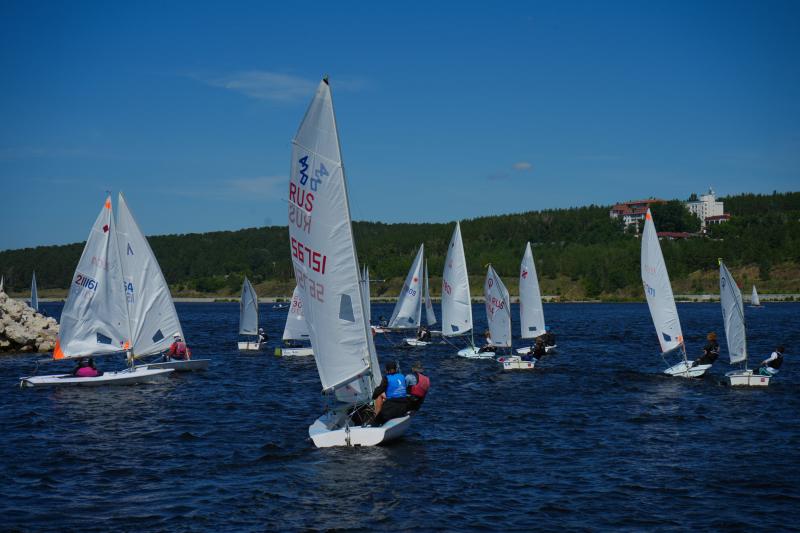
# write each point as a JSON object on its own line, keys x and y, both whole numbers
{"x": 594, "y": 438}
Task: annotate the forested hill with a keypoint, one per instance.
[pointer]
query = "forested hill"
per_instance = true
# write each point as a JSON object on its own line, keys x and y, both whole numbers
{"x": 579, "y": 252}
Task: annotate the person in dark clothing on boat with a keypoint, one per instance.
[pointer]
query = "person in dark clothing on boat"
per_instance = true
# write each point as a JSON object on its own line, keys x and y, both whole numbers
{"x": 423, "y": 334}
{"x": 391, "y": 396}
{"x": 262, "y": 335}
{"x": 488, "y": 343}
{"x": 549, "y": 338}
{"x": 770, "y": 365}
{"x": 539, "y": 348}
{"x": 382, "y": 322}
{"x": 178, "y": 349}
{"x": 710, "y": 351}
{"x": 417, "y": 385}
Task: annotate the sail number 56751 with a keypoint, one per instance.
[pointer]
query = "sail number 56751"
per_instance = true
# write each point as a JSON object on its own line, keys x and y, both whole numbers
{"x": 315, "y": 260}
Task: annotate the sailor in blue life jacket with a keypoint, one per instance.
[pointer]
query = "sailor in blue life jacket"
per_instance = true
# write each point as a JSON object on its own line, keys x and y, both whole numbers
{"x": 391, "y": 398}
{"x": 417, "y": 385}
{"x": 770, "y": 365}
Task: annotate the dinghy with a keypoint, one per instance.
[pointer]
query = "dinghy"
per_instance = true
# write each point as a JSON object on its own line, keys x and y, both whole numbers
{"x": 326, "y": 269}
{"x": 755, "y": 301}
{"x": 531, "y": 311}
{"x": 498, "y": 317}
{"x": 295, "y": 331}
{"x": 96, "y": 320}
{"x": 430, "y": 315}
{"x": 660, "y": 301}
{"x": 456, "y": 300}
{"x": 248, "y": 317}
{"x": 730, "y": 298}
{"x": 34, "y": 294}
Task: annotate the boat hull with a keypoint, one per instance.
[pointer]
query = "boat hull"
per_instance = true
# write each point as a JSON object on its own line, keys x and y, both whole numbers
{"x": 684, "y": 369}
{"x": 328, "y": 431}
{"x": 182, "y": 366}
{"x": 251, "y": 346}
{"x": 527, "y": 349}
{"x": 472, "y": 352}
{"x": 514, "y": 362}
{"x": 294, "y": 352}
{"x": 139, "y": 374}
{"x": 746, "y": 378}
{"x": 414, "y": 343}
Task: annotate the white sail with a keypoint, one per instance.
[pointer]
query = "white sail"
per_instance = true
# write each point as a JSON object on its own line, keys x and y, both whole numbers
{"x": 248, "y": 309}
{"x": 34, "y": 294}
{"x": 2, "y": 283}
{"x": 296, "y": 328}
{"x": 754, "y": 300}
{"x": 324, "y": 256}
{"x": 531, "y": 313}
{"x": 408, "y": 310}
{"x": 94, "y": 320}
{"x": 365, "y": 292}
{"x": 430, "y": 316}
{"x": 498, "y": 308}
{"x": 658, "y": 289}
{"x": 456, "y": 302}
{"x": 153, "y": 319}
{"x": 730, "y": 298}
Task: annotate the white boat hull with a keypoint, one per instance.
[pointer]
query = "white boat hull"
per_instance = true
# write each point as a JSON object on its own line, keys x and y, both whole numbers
{"x": 684, "y": 369}
{"x": 527, "y": 349}
{"x": 328, "y": 431}
{"x": 138, "y": 374}
{"x": 414, "y": 343}
{"x": 746, "y": 378}
{"x": 182, "y": 366}
{"x": 294, "y": 352}
{"x": 251, "y": 346}
{"x": 513, "y": 362}
{"x": 472, "y": 352}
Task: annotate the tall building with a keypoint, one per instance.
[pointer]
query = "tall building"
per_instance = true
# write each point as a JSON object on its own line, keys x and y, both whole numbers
{"x": 707, "y": 209}
{"x": 632, "y": 212}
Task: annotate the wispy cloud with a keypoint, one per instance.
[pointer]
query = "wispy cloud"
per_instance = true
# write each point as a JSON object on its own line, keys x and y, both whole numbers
{"x": 275, "y": 86}
{"x": 519, "y": 166}
{"x": 263, "y": 186}
{"x": 37, "y": 152}
{"x": 260, "y": 187}
{"x": 522, "y": 166}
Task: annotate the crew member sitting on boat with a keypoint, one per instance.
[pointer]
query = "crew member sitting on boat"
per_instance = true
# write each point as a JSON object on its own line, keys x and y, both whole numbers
{"x": 178, "y": 349}
{"x": 391, "y": 398}
{"x": 423, "y": 334}
{"x": 549, "y": 338}
{"x": 86, "y": 369}
{"x": 382, "y": 322}
{"x": 710, "y": 351}
{"x": 489, "y": 344}
{"x": 262, "y": 336}
{"x": 417, "y": 385}
{"x": 539, "y": 349}
{"x": 770, "y": 365}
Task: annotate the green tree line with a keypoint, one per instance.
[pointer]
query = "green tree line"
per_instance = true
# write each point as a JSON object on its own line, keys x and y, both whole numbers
{"x": 578, "y": 249}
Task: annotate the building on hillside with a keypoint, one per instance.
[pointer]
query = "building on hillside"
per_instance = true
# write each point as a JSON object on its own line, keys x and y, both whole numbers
{"x": 717, "y": 219}
{"x": 673, "y": 235}
{"x": 632, "y": 212}
{"x": 707, "y": 207}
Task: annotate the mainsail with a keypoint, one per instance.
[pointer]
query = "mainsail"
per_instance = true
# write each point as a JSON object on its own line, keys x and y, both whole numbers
{"x": 430, "y": 316}
{"x": 152, "y": 315}
{"x": 531, "y": 313}
{"x": 407, "y": 312}
{"x": 658, "y": 289}
{"x": 730, "y": 298}
{"x": 456, "y": 302}
{"x": 94, "y": 320}
{"x": 754, "y": 300}
{"x": 296, "y": 328}
{"x": 324, "y": 256}
{"x": 34, "y": 294}
{"x": 498, "y": 309}
{"x": 248, "y": 309}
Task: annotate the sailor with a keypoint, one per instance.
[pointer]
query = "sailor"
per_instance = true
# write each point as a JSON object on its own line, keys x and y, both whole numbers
{"x": 178, "y": 349}
{"x": 770, "y": 365}
{"x": 489, "y": 344}
{"x": 262, "y": 335}
{"x": 417, "y": 385}
{"x": 539, "y": 350}
{"x": 391, "y": 398}
{"x": 549, "y": 338}
{"x": 382, "y": 322}
{"x": 86, "y": 369}
{"x": 710, "y": 351}
{"x": 423, "y": 334}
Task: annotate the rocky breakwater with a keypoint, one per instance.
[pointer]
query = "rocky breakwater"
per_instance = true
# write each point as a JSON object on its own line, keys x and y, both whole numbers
{"x": 24, "y": 330}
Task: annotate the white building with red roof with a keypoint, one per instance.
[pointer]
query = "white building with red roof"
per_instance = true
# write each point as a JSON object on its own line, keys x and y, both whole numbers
{"x": 632, "y": 212}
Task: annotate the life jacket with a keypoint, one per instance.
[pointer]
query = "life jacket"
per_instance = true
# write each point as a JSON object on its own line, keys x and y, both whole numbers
{"x": 776, "y": 363}
{"x": 87, "y": 372}
{"x": 181, "y": 350}
{"x": 396, "y": 386}
{"x": 421, "y": 388}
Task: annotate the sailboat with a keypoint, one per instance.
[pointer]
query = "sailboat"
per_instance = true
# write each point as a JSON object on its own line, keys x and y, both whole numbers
{"x": 2, "y": 283}
{"x": 661, "y": 302}
{"x": 730, "y": 298}
{"x": 295, "y": 331}
{"x": 755, "y": 301}
{"x": 326, "y": 269}
{"x": 96, "y": 320}
{"x": 34, "y": 294}
{"x": 424, "y": 301}
{"x": 498, "y": 316}
{"x": 407, "y": 311}
{"x": 248, "y": 317}
{"x": 430, "y": 315}
{"x": 456, "y": 300}
{"x": 531, "y": 312}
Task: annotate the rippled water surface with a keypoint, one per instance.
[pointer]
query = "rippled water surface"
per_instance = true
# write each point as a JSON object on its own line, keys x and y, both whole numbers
{"x": 595, "y": 437}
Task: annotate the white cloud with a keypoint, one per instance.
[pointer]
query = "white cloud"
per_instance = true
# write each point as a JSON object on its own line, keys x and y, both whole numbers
{"x": 522, "y": 165}
{"x": 262, "y": 186}
{"x": 276, "y": 86}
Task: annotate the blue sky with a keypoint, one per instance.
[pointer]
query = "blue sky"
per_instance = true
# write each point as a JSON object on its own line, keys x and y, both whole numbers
{"x": 445, "y": 111}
